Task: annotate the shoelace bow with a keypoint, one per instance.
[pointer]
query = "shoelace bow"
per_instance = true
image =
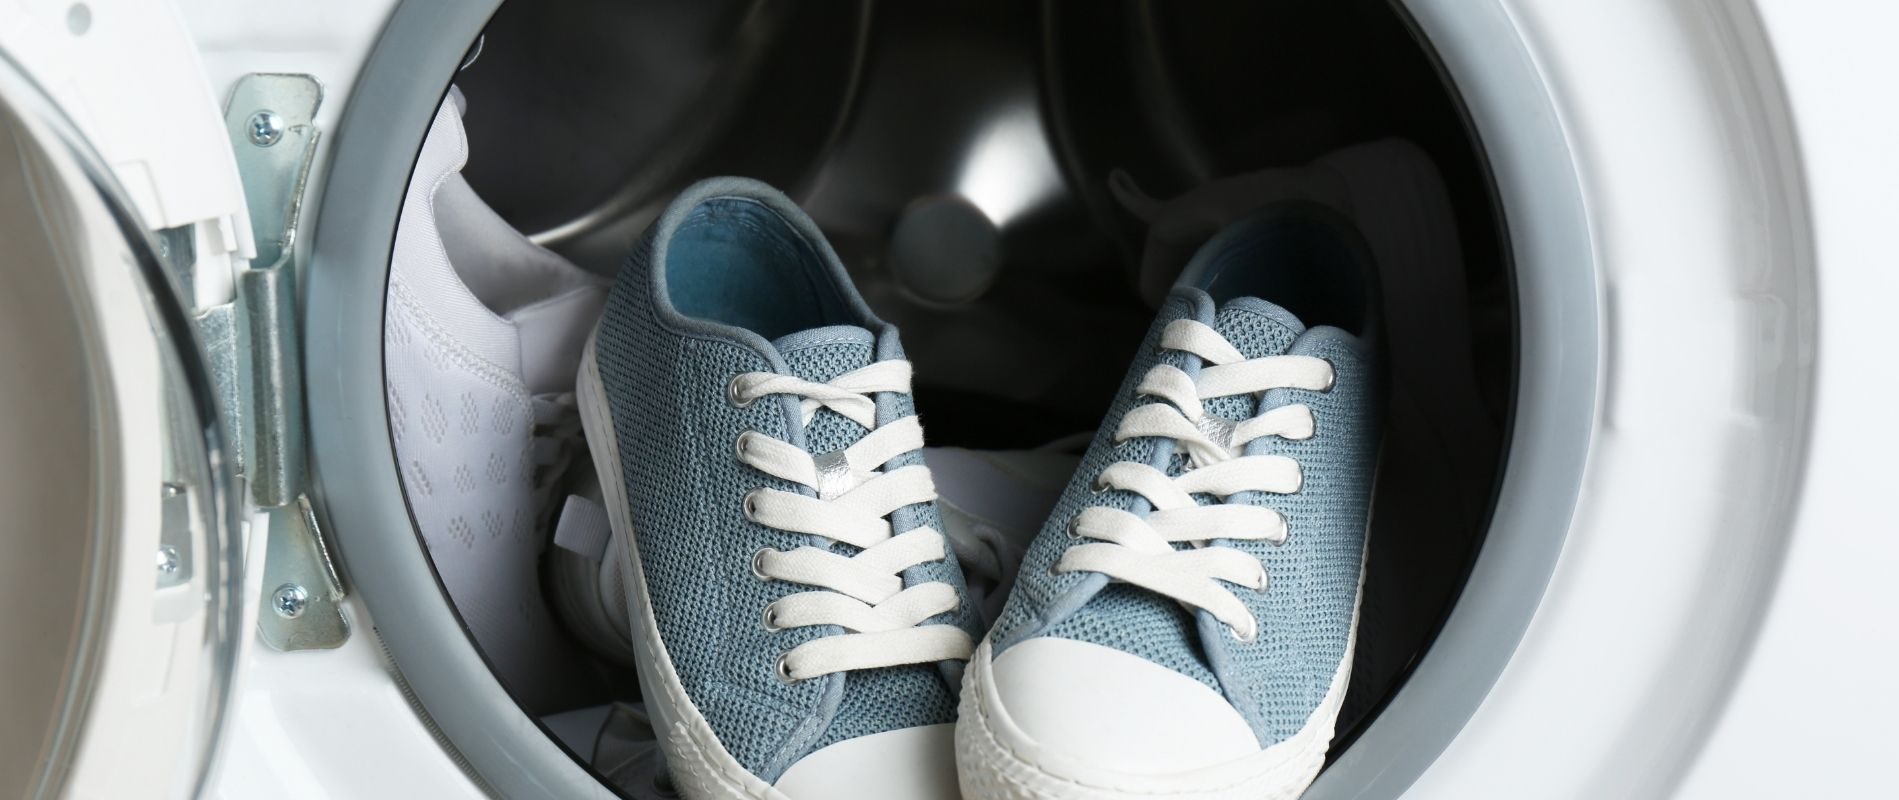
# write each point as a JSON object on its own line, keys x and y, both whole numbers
{"x": 1140, "y": 549}
{"x": 862, "y": 593}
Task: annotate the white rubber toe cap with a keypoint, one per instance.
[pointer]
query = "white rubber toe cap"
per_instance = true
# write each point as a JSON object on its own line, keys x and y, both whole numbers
{"x": 1099, "y": 705}
{"x": 906, "y": 764}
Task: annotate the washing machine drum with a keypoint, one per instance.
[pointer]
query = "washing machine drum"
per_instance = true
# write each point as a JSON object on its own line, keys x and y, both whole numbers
{"x": 1014, "y": 186}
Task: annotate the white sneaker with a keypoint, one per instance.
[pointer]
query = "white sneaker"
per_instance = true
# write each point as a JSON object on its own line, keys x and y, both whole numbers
{"x": 482, "y": 339}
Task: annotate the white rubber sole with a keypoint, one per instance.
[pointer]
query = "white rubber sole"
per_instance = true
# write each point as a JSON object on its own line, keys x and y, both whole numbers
{"x": 996, "y": 759}
{"x": 700, "y": 766}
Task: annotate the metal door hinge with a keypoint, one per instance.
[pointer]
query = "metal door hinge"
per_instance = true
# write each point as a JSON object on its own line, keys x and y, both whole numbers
{"x": 271, "y": 119}
{"x": 302, "y": 593}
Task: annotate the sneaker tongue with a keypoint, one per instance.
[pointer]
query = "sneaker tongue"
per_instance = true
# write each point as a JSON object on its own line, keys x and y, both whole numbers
{"x": 819, "y": 355}
{"x": 1256, "y": 327}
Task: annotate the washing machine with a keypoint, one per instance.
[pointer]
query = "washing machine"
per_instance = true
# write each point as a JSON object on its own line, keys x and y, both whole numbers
{"x": 1635, "y": 539}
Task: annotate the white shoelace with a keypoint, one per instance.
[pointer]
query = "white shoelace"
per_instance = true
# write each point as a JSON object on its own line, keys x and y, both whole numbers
{"x": 1140, "y": 550}
{"x": 863, "y": 593}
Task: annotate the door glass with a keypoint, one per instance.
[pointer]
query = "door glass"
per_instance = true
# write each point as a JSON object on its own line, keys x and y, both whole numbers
{"x": 120, "y": 612}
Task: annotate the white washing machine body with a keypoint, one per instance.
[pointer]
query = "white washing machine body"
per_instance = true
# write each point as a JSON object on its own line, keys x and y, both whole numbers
{"x": 1686, "y": 590}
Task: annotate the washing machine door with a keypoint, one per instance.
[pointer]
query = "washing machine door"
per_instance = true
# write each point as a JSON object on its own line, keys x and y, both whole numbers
{"x": 120, "y": 568}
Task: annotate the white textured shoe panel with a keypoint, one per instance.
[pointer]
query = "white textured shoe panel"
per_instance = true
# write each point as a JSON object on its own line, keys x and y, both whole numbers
{"x": 461, "y": 418}
{"x": 905, "y": 764}
{"x": 1101, "y": 705}
{"x": 461, "y": 430}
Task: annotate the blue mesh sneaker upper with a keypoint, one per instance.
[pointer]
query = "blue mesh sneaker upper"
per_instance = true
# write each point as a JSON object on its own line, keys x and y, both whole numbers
{"x": 734, "y": 280}
{"x": 1276, "y": 678}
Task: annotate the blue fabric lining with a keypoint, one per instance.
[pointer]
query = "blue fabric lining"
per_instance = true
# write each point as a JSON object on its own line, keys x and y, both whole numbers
{"x": 736, "y": 262}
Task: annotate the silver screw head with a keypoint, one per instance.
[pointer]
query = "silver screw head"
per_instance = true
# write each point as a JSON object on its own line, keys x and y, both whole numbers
{"x": 167, "y": 560}
{"x": 290, "y": 601}
{"x": 267, "y": 127}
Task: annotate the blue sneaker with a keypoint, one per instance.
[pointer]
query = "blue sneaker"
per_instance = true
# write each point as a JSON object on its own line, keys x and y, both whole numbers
{"x": 1183, "y": 624}
{"x": 799, "y": 624}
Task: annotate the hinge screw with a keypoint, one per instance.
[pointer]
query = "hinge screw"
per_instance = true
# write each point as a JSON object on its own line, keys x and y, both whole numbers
{"x": 290, "y": 601}
{"x": 266, "y": 128}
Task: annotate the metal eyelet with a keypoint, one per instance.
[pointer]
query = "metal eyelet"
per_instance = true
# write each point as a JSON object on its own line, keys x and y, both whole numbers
{"x": 751, "y": 505}
{"x": 1331, "y": 379}
{"x": 770, "y": 618}
{"x": 783, "y": 668}
{"x": 742, "y": 444}
{"x": 1244, "y": 639}
{"x": 757, "y": 570}
{"x": 732, "y": 394}
{"x": 1074, "y": 523}
{"x": 1098, "y": 485}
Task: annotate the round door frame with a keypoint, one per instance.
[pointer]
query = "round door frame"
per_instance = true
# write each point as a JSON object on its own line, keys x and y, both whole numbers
{"x": 1595, "y": 661}
{"x": 353, "y": 462}
{"x": 1562, "y": 175}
